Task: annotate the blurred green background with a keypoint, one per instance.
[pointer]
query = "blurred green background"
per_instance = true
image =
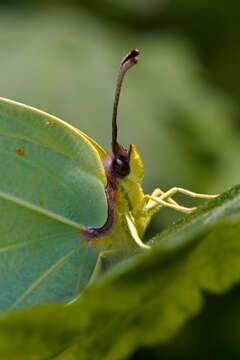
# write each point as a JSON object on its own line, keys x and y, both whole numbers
{"x": 179, "y": 106}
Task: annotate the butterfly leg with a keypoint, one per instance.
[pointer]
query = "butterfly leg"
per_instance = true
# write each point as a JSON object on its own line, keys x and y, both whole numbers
{"x": 175, "y": 189}
{"x": 157, "y": 193}
{"x": 165, "y": 199}
{"x": 156, "y": 201}
{"x": 133, "y": 231}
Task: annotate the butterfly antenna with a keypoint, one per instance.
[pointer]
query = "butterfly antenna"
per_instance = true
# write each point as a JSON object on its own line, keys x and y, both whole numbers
{"x": 127, "y": 62}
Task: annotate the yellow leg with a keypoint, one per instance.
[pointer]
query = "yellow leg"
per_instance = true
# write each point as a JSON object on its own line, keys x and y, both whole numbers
{"x": 151, "y": 202}
{"x": 164, "y": 199}
{"x": 159, "y": 201}
{"x": 133, "y": 231}
{"x": 158, "y": 192}
{"x": 175, "y": 189}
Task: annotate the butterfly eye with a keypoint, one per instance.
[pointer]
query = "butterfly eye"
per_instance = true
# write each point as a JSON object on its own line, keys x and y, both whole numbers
{"x": 120, "y": 167}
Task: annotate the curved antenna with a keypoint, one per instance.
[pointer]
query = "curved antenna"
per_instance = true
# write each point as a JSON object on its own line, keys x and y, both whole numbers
{"x": 127, "y": 62}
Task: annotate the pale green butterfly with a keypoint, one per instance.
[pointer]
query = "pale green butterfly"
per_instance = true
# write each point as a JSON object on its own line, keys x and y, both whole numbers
{"x": 64, "y": 202}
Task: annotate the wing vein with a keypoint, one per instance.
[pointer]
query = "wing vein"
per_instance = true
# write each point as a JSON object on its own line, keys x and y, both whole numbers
{"x": 40, "y": 210}
{"x": 30, "y": 242}
{"x": 36, "y": 283}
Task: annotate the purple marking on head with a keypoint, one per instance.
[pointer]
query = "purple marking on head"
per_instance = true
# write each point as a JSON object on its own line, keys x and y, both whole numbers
{"x": 110, "y": 190}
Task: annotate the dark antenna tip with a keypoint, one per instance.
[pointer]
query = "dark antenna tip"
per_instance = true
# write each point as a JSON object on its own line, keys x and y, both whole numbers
{"x": 127, "y": 62}
{"x": 131, "y": 55}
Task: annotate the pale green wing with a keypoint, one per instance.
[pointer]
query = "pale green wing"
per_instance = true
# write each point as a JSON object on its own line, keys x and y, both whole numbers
{"x": 102, "y": 153}
{"x": 51, "y": 185}
{"x": 48, "y": 165}
{"x": 42, "y": 260}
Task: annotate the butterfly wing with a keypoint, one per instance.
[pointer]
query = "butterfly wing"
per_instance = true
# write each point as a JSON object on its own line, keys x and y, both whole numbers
{"x": 51, "y": 185}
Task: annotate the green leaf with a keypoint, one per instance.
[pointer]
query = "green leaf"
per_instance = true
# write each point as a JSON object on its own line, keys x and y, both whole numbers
{"x": 144, "y": 300}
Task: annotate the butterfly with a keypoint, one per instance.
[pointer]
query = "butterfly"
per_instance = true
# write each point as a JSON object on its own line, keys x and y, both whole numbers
{"x": 65, "y": 203}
